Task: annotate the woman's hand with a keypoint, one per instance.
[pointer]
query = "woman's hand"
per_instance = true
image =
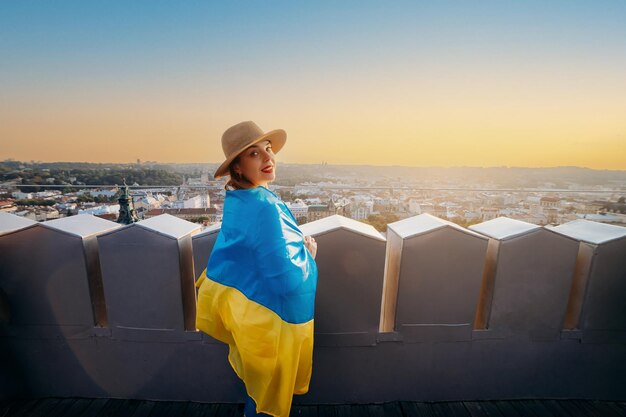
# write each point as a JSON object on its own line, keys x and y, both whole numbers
{"x": 311, "y": 245}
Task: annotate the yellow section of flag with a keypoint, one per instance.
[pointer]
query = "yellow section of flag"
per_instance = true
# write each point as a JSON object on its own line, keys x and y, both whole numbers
{"x": 271, "y": 356}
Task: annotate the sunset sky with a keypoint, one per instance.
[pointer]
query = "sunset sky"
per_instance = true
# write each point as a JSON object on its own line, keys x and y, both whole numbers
{"x": 486, "y": 83}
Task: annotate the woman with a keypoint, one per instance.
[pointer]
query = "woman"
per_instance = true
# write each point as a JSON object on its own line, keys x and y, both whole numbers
{"x": 258, "y": 291}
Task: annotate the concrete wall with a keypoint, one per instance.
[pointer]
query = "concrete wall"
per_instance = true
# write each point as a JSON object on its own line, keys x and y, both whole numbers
{"x": 473, "y": 316}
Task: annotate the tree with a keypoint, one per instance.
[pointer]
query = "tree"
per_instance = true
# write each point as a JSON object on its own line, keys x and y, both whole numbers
{"x": 380, "y": 221}
{"x": 35, "y": 202}
{"x": 85, "y": 198}
{"x": 286, "y": 195}
{"x": 201, "y": 219}
{"x": 463, "y": 222}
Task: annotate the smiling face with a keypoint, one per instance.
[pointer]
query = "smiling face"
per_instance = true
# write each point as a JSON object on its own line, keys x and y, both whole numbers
{"x": 252, "y": 162}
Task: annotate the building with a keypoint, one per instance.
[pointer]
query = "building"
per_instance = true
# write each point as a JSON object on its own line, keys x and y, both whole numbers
{"x": 362, "y": 210}
{"x": 67, "y": 208}
{"x": 319, "y": 211}
{"x": 298, "y": 209}
{"x": 205, "y": 200}
{"x": 414, "y": 205}
{"x": 470, "y": 215}
{"x": 18, "y": 195}
{"x": 198, "y": 201}
{"x": 592, "y": 207}
{"x": 145, "y": 203}
{"x": 549, "y": 202}
{"x": 8, "y": 206}
{"x": 211, "y": 214}
{"x": 488, "y": 213}
{"x": 100, "y": 193}
{"x": 39, "y": 214}
{"x": 440, "y": 211}
{"x": 103, "y": 209}
{"x": 552, "y": 215}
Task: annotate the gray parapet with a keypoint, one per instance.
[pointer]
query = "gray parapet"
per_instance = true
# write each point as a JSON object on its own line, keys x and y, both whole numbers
{"x": 596, "y": 309}
{"x": 350, "y": 259}
{"x": 9, "y": 224}
{"x": 148, "y": 353}
{"x": 203, "y": 243}
{"x": 148, "y": 276}
{"x": 13, "y": 378}
{"x": 432, "y": 279}
{"x": 527, "y": 282}
{"x": 51, "y": 277}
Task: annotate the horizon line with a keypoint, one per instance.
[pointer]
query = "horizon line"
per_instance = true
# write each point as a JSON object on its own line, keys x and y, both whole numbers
{"x": 320, "y": 163}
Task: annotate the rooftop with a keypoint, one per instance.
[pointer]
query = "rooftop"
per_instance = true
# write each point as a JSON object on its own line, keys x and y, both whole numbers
{"x": 432, "y": 319}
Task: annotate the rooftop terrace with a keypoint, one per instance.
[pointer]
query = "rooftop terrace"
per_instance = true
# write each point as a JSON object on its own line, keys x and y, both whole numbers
{"x": 428, "y": 319}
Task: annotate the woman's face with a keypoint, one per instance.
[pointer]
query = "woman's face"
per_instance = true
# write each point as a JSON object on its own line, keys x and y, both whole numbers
{"x": 254, "y": 160}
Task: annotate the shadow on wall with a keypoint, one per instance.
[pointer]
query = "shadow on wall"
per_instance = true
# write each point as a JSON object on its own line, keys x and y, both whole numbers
{"x": 12, "y": 381}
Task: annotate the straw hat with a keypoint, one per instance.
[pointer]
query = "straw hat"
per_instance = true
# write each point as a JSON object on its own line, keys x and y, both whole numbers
{"x": 243, "y": 135}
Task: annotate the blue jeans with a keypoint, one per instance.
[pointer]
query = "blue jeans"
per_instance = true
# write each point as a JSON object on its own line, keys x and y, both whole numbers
{"x": 250, "y": 408}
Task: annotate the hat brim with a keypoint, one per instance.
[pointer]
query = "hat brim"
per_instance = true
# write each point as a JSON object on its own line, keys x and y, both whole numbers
{"x": 277, "y": 137}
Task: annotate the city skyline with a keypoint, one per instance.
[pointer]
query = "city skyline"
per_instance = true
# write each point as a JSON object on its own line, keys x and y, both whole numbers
{"x": 495, "y": 84}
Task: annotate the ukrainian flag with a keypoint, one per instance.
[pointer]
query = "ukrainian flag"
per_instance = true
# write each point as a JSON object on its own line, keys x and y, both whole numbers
{"x": 258, "y": 294}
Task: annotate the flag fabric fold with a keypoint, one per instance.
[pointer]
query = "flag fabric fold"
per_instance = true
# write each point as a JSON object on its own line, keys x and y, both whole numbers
{"x": 257, "y": 294}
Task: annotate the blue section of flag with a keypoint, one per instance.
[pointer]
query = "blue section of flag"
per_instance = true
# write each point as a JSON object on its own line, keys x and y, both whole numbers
{"x": 260, "y": 251}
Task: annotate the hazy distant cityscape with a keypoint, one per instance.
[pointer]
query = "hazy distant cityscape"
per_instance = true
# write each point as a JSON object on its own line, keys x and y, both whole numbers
{"x": 375, "y": 195}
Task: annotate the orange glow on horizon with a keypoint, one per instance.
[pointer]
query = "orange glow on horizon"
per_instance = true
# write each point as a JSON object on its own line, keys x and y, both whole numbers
{"x": 400, "y": 124}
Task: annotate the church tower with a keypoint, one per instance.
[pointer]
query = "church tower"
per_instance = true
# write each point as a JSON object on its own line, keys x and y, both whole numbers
{"x": 127, "y": 213}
